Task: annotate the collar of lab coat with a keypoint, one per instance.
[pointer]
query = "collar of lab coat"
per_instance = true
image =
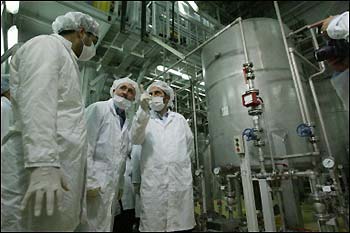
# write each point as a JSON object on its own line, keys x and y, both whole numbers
{"x": 68, "y": 45}
{"x": 114, "y": 112}
{"x": 170, "y": 117}
{"x": 66, "y": 42}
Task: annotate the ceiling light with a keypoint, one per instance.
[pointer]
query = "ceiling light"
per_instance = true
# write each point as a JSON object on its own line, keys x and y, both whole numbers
{"x": 12, "y": 36}
{"x": 193, "y": 5}
{"x": 202, "y": 83}
{"x": 178, "y": 73}
{"x": 12, "y": 6}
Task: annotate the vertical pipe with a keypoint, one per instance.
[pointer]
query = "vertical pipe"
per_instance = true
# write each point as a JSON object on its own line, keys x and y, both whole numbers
{"x": 204, "y": 207}
{"x": 243, "y": 41}
{"x": 172, "y": 35}
{"x": 314, "y": 95}
{"x": 123, "y": 16}
{"x": 289, "y": 60}
{"x": 298, "y": 79}
{"x": 143, "y": 20}
{"x": 154, "y": 18}
{"x": 248, "y": 191}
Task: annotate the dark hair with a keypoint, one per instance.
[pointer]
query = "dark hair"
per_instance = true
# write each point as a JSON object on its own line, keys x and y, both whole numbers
{"x": 66, "y": 32}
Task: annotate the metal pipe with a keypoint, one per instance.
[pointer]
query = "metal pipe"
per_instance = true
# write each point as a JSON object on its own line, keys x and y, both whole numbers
{"x": 243, "y": 42}
{"x": 248, "y": 191}
{"x": 298, "y": 79}
{"x": 204, "y": 202}
{"x": 10, "y": 52}
{"x": 306, "y": 60}
{"x": 301, "y": 107}
{"x": 199, "y": 47}
{"x": 280, "y": 204}
{"x": 301, "y": 155}
{"x": 314, "y": 95}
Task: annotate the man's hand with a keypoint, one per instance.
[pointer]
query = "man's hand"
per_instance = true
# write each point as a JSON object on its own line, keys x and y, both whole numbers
{"x": 45, "y": 181}
{"x": 144, "y": 99}
{"x": 325, "y": 25}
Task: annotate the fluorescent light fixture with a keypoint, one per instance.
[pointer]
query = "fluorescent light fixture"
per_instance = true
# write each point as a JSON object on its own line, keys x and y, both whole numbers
{"x": 202, "y": 83}
{"x": 181, "y": 5}
{"x": 2, "y": 8}
{"x": 12, "y": 36}
{"x": 12, "y": 6}
{"x": 193, "y": 5}
{"x": 178, "y": 73}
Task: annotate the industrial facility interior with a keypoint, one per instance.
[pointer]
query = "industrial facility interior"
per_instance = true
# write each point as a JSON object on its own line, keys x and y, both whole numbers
{"x": 271, "y": 134}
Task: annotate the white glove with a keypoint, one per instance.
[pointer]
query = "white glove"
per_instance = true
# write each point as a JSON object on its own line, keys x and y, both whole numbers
{"x": 45, "y": 180}
{"x": 137, "y": 188}
{"x": 144, "y": 100}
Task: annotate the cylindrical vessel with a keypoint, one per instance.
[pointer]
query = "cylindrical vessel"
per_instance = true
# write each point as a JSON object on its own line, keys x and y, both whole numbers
{"x": 222, "y": 61}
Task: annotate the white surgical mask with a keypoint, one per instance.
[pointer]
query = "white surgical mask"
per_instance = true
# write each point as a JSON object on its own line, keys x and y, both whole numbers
{"x": 157, "y": 103}
{"x": 121, "y": 102}
{"x": 88, "y": 52}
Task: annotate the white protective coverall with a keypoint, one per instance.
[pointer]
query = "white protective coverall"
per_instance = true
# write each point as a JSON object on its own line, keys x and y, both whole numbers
{"x": 49, "y": 130}
{"x": 338, "y": 28}
{"x": 6, "y": 116}
{"x": 136, "y": 176}
{"x": 166, "y": 178}
{"x": 107, "y": 150}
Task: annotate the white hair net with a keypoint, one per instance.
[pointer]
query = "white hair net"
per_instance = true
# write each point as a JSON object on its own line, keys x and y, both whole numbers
{"x": 74, "y": 21}
{"x": 5, "y": 85}
{"x": 166, "y": 88}
{"x": 118, "y": 82}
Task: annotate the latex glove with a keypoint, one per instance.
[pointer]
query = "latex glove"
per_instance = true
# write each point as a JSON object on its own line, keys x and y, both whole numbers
{"x": 48, "y": 181}
{"x": 93, "y": 192}
{"x": 137, "y": 188}
{"x": 144, "y": 99}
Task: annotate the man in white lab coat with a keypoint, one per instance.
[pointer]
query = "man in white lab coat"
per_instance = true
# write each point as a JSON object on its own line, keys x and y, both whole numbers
{"x": 337, "y": 27}
{"x": 166, "y": 178}
{"x": 43, "y": 158}
{"x": 6, "y": 109}
{"x": 108, "y": 147}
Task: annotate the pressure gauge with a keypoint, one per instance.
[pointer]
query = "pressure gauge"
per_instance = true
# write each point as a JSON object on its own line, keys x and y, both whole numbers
{"x": 328, "y": 163}
{"x": 216, "y": 170}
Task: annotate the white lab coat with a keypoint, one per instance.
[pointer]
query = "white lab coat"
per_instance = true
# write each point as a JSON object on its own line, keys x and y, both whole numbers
{"x": 338, "y": 28}
{"x": 166, "y": 177}
{"x": 340, "y": 83}
{"x": 128, "y": 197}
{"x": 136, "y": 176}
{"x": 6, "y": 116}
{"x": 49, "y": 130}
{"x": 107, "y": 152}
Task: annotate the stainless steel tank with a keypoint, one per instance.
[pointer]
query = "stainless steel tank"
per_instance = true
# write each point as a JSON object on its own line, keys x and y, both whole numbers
{"x": 222, "y": 61}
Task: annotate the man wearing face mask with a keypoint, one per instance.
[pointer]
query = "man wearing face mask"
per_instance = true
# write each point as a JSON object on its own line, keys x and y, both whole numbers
{"x": 167, "y": 148}
{"x": 44, "y": 155}
{"x": 108, "y": 147}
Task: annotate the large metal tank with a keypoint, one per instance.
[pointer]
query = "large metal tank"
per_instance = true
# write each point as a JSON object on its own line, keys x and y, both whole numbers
{"x": 222, "y": 61}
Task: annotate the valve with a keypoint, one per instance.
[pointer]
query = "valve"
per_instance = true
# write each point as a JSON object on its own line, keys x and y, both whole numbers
{"x": 251, "y": 99}
{"x": 304, "y": 130}
{"x": 250, "y": 134}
